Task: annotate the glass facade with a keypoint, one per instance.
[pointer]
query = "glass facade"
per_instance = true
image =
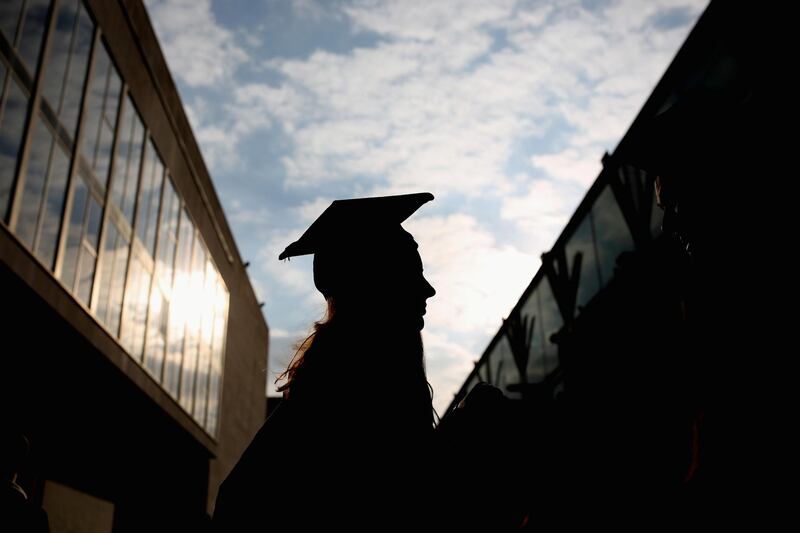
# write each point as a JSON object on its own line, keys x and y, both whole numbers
{"x": 84, "y": 188}
{"x": 525, "y": 352}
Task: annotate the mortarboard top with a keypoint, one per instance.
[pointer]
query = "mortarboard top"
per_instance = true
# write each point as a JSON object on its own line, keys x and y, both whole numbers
{"x": 355, "y": 221}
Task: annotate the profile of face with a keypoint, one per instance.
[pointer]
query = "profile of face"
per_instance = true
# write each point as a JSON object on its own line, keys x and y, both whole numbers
{"x": 387, "y": 284}
{"x": 407, "y": 288}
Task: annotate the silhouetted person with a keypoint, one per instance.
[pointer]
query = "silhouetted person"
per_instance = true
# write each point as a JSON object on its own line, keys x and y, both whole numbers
{"x": 350, "y": 445}
{"x": 17, "y": 514}
{"x": 710, "y": 154}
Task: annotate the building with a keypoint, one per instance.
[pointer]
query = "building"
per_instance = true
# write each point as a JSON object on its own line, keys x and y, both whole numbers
{"x": 608, "y": 374}
{"x": 134, "y": 349}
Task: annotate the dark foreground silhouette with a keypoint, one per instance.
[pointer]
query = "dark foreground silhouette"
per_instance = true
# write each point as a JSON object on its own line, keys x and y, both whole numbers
{"x": 351, "y": 443}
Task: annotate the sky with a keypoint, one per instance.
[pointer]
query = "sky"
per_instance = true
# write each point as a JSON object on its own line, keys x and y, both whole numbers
{"x": 500, "y": 108}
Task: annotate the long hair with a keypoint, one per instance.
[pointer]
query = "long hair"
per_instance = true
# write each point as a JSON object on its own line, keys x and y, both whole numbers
{"x": 320, "y": 356}
{"x": 299, "y": 359}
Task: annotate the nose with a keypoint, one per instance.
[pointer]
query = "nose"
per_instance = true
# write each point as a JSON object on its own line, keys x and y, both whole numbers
{"x": 428, "y": 289}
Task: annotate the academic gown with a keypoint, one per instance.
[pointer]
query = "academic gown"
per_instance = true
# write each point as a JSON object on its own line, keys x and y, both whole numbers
{"x": 333, "y": 454}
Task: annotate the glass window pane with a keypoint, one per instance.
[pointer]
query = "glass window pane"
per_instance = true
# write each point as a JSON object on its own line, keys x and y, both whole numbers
{"x": 611, "y": 230}
{"x": 136, "y": 297}
{"x": 530, "y": 312}
{"x": 14, "y": 109}
{"x": 126, "y": 171}
{"x": 206, "y": 337}
{"x": 33, "y": 26}
{"x": 53, "y": 206}
{"x": 168, "y": 233}
{"x": 656, "y": 217}
{"x": 589, "y": 281}
{"x": 157, "y": 323}
{"x": 195, "y": 311}
{"x": 76, "y": 76}
{"x": 9, "y": 18}
{"x": 101, "y": 114}
{"x": 217, "y": 353}
{"x": 93, "y": 224}
{"x": 505, "y": 372}
{"x": 88, "y": 263}
{"x": 33, "y": 192}
{"x": 551, "y": 321}
{"x": 149, "y": 195}
{"x": 181, "y": 304}
{"x": 112, "y": 271}
{"x": 69, "y": 265}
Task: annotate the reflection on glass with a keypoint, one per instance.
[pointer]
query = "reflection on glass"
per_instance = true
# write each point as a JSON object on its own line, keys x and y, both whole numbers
{"x": 150, "y": 191}
{"x": 656, "y": 217}
{"x": 206, "y": 338}
{"x": 168, "y": 232}
{"x": 52, "y": 207}
{"x": 43, "y": 195}
{"x": 101, "y": 115}
{"x": 33, "y": 191}
{"x": 193, "y": 305}
{"x": 13, "y": 108}
{"x": 551, "y": 321}
{"x": 612, "y": 232}
{"x": 70, "y": 44}
{"x": 112, "y": 278}
{"x": 157, "y": 323}
{"x": 33, "y": 26}
{"x": 180, "y": 303}
{"x": 582, "y": 242}
{"x": 535, "y": 366}
{"x": 9, "y": 18}
{"x": 80, "y": 256}
{"x": 506, "y": 372}
{"x": 76, "y": 221}
{"x": 217, "y": 353}
{"x": 126, "y": 166}
{"x": 136, "y": 298}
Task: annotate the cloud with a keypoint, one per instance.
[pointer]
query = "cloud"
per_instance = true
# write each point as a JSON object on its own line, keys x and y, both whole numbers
{"x": 477, "y": 280}
{"x": 447, "y": 363}
{"x": 441, "y": 101}
{"x": 570, "y": 165}
{"x": 502, "y": 109}
{"x": 542, "y": 211}
{"x": 199, "y": 50}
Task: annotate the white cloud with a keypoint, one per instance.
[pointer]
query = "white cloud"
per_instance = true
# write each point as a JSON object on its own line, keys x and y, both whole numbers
{"x": 541, "y": 212}
{"x": 476, "y": 279}
{"x": 433, "y": 105}
{"x": 570, "y": 165}
{"x": 198, "y": 49}
{"x": 441, "y": 100}
{"x": 447, "y": 363}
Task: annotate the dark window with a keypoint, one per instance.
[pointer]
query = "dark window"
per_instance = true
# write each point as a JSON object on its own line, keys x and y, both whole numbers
{"x": 43, "y": 195}
{"x": 13, "y": 110}
{"x": 9, "y": 18}
{"x": 126, "y": 167}
{"x": 149, "y": 195}
{"x": 67, "y": 60}
{"x": 137, "y": 295}
{"x": 112, "y": 277}
{"x": 582, "y": 242}
{"x": 29, "y": 40}
{"x": 101, "y": 115}
{"x": 612, "y": 232}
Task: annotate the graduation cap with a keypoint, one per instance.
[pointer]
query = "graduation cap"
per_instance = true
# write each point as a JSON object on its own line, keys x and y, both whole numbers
{"x": 353, "y": 228}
